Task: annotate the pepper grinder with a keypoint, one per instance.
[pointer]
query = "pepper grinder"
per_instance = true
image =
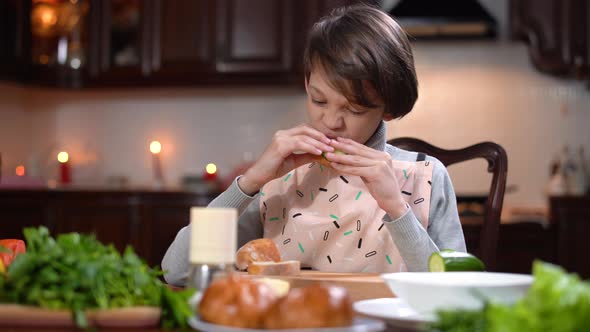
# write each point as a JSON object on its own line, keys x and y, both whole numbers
{"x": 213, "y": 244}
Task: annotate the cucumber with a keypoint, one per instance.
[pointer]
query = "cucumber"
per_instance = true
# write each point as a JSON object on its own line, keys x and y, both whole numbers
{"x": 450, "y": 261}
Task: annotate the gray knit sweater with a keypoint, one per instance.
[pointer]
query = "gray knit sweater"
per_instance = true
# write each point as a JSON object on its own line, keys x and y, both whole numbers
{"x": 414, "y": 242}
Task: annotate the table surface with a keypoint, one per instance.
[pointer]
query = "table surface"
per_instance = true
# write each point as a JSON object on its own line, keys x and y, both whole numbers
{"x": 361, "y": 286}
{"x": 17, "y": 329}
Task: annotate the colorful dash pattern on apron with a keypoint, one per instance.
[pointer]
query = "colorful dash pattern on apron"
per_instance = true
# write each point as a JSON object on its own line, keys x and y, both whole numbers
{"x": 330, "y": 222}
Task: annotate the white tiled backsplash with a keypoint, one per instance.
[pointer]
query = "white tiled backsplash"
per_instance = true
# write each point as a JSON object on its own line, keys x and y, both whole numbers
{"x": 469, "y": 92}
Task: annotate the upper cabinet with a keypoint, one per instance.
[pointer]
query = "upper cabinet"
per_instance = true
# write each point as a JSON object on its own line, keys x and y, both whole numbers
{"x": 96, "y": 43}
{"x": 119, "y": 45}
{"x": 150, "y": 42}
{"x": 313, "y": 10}
{"x": 558, "y": 34}
{"x": 12, "y": 41}
{"x": 254, "y": 36}
{"x": 183, "y": 40}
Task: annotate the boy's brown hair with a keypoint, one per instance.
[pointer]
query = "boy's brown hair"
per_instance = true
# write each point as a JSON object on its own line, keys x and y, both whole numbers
{"x": 361, "y": 44}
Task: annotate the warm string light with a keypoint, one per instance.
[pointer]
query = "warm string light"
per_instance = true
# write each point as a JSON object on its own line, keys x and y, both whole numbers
{"x": 48, "y": 17}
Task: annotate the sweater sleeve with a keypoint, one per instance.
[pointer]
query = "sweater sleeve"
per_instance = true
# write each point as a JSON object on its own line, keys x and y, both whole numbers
{"x": 415, "y": 243}
{"x": 175, "y": 262}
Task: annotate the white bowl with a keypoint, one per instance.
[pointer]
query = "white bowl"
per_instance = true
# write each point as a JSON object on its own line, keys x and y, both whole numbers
{"x": 427, "y": 292}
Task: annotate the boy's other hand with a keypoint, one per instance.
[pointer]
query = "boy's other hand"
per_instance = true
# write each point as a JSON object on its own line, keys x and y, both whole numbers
{"x": 375, "y": 169}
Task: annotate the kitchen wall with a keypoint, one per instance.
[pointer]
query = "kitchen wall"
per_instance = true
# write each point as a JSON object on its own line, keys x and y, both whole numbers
{"x": 107, "y": 133}
{"x": 15, "y": 127}
{"x": 469, "y": 92}
{"x": 486, "y": 91}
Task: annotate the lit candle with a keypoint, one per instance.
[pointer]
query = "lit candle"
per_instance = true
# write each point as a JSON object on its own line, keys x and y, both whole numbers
{"x": 20, "y": 170}
{"x": 155, "y": 149}
{"x": 210, "y": 172}
{"x": 64, "y": 168}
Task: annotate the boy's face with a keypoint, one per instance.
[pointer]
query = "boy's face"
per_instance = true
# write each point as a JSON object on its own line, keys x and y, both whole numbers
{"x": 331, "y": 113}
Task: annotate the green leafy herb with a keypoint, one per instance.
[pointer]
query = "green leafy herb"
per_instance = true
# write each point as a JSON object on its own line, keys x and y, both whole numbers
{"x": 76, "y": 272}
{"x": 175, "y": 311}
{"x": 557, "y": 301}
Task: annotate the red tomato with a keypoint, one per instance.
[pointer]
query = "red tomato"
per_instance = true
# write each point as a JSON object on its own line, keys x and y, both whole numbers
{"x": 15, "y": 246}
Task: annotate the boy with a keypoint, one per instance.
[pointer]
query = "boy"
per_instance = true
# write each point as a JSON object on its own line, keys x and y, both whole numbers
{"x": 376, "y": 208}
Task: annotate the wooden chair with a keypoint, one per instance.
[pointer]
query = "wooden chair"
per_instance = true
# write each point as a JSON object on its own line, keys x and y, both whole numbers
{"x": 497, "y": 164}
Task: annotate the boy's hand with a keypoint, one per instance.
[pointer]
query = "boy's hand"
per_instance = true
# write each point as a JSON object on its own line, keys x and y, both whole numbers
{"x": 375, "y": 169}
{"x": 288, "y": 150}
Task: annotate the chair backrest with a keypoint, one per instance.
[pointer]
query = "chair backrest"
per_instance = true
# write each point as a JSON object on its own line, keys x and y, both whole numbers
{"x": 497, "y": 164}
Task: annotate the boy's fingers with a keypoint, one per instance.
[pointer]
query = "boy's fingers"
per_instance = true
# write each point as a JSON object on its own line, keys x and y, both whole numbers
{"x": 303, "y": 146}
{"x": 350, "y": 159}
{"x": 353, "y": 148}
{"x": 320, "y": 145}
{"x": 309, "y": 131}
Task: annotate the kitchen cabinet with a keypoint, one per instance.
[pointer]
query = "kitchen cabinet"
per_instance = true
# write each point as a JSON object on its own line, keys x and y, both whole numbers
{"x": 254, "y": 36}
{"x": 557, "y": 33}
{"x": 183, "y": 48}
{"x": 162, "y": 218}
{"x": 564, "y": 241}
{"x": 519, "y": 245}
{"x": 313, "y": 10}
{"x": 119, "y": 43}
{"x": 20, "y": 209}
{"x": 112, "y": 218}
{"x": 571, "y": 216}
{"x": 13, "y": 45}
{"x": 150, "y": 220}
{"x": 146, "y": 220}
{"x": 96, "y": 43}
{"x": 151, "y": 42}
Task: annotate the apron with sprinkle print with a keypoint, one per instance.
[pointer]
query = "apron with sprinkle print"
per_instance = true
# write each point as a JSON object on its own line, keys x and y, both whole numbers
{"x": 329, "y": 222}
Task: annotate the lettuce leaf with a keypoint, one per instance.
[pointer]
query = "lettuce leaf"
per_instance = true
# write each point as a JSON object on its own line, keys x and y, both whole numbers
{"x": 557, "y": 301}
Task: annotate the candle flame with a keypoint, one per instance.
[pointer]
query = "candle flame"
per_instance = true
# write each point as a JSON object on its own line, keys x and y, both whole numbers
{"x": 20, "y": 170}
{"x": 63, "y": 157}
{"x": 155, "y": 147}
{"x": 211, "y": 168}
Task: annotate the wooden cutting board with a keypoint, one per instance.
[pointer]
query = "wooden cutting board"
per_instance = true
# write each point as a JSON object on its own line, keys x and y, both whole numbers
{"x": 361, "y": 286}
{"x": 29, "y": 316}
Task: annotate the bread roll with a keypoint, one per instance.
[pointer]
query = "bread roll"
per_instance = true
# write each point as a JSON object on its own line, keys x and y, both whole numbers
{"x": 259, "y": 250}
{"x": 314, "y": 306}
{"x": 284, "y": 268}
{"x": 324, "y": 161}
{"x": 236, "y": 301}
